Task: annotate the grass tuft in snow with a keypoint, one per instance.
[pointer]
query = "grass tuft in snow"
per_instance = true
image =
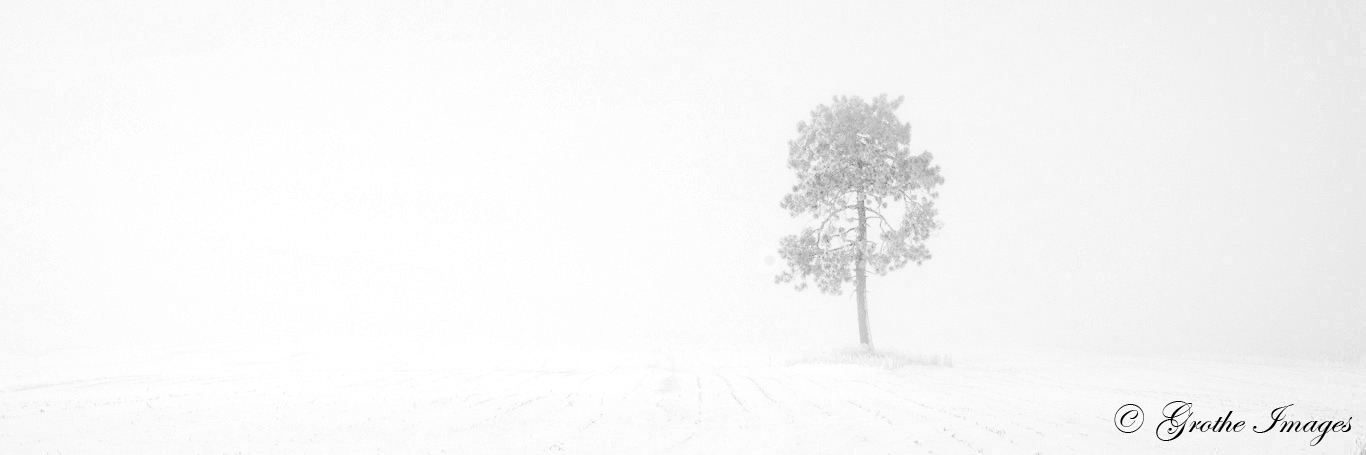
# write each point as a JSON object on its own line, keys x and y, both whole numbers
{"x": 890, "y": 360}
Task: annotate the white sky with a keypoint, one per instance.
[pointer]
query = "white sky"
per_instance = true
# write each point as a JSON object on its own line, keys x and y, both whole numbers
{"x": 1141, "y": 176}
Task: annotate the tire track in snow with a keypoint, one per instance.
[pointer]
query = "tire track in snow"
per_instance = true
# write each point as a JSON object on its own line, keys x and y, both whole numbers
{"x": 760, "y": 389}
{"x": 800, "y": 399}
{"x": 697, "y": 422}
{"x": 972, "y": 426}
{"x": 628, "y": 392}
{"x": 855, "y": 413}
{"x": 872, "y": 412}
{"x": 731, "y": 389}
{"x": 504, "y": 412}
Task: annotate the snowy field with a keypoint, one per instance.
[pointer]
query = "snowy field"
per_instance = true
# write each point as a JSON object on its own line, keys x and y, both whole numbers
{"x": 651, "y": 402}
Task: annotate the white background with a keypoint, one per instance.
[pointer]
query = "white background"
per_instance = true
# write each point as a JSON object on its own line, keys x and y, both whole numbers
{"x": 1140, "y": 177}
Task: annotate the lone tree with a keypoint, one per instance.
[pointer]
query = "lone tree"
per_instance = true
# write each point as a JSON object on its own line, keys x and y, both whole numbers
{"x": 855, "y": 171}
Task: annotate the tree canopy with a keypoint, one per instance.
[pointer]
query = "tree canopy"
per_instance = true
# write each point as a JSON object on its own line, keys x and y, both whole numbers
{"x": 855, "y": 170}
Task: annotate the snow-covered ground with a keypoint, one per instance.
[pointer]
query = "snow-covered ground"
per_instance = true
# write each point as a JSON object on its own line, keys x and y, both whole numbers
{"x": 651, "y": 401}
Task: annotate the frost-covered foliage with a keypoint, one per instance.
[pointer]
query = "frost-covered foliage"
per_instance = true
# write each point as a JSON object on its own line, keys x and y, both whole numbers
{"x": 856, "y": 174}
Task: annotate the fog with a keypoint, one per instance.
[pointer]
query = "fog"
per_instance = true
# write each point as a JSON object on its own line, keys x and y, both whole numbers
{"x": 1151, "y": 178}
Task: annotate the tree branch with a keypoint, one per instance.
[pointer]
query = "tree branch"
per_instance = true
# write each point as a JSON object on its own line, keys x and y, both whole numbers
{"x": 882, "y": 218}
{"x": 837, "y": 249}
{"x": 833, "y": 214}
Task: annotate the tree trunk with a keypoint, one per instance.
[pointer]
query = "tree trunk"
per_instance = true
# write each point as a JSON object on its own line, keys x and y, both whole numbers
{"x": 861, "y": 278}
